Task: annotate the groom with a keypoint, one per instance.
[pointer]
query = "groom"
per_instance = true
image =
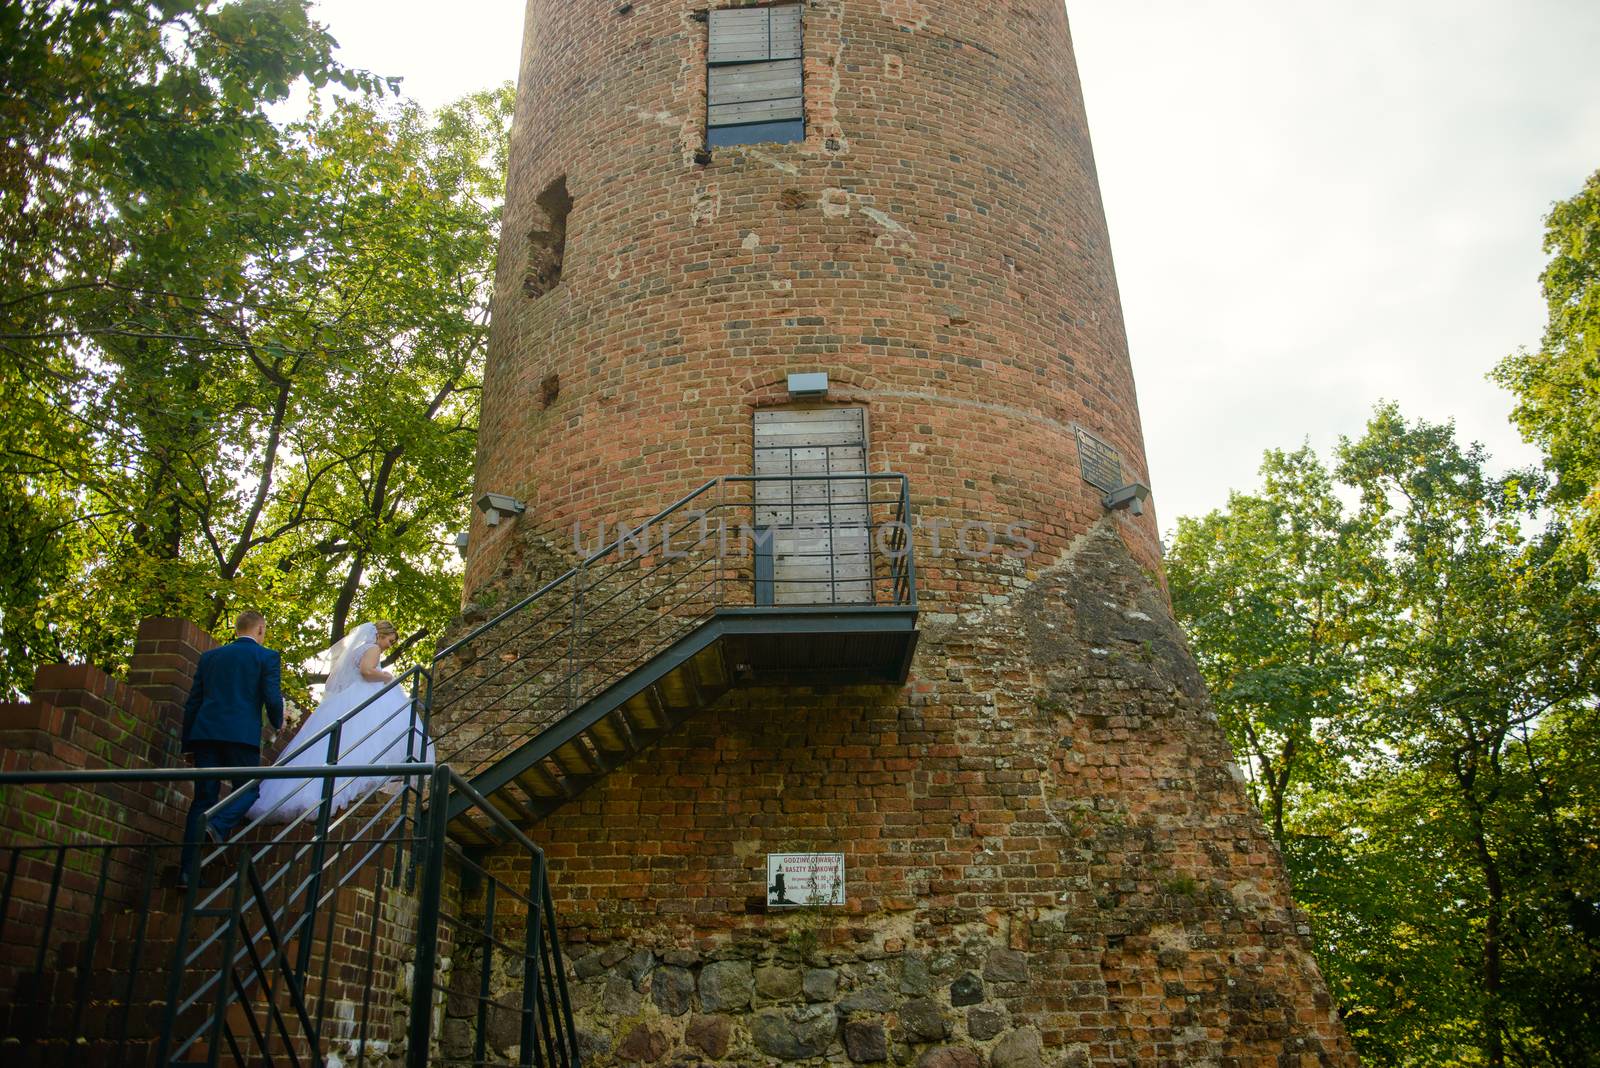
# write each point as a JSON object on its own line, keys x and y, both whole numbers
{"x": 222, "y": 727}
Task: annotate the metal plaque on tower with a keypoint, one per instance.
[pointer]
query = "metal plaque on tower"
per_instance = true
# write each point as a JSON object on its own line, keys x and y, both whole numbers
{"x": 1100, "y": 463}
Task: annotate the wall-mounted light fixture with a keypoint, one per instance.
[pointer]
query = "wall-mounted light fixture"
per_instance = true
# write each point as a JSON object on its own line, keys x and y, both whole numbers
{"x": 1131, "y": 497}
{"x": 802, "y": 386}
{"x": 497, "y": 506}
{"x": 462, "y": 541}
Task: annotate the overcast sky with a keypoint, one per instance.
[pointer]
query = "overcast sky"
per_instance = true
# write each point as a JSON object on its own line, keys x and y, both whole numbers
{"x": 1313, "y": 206}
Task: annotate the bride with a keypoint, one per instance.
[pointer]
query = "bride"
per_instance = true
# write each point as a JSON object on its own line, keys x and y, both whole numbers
{"x": 376, "y": 734}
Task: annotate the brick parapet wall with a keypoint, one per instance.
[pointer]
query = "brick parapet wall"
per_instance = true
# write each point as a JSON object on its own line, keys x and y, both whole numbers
{"x": 78, "y": 718}
{"x": 165, "y": 656}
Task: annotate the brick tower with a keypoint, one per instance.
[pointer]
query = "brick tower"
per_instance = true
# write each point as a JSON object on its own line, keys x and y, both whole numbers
{"x": 783, "y": 245}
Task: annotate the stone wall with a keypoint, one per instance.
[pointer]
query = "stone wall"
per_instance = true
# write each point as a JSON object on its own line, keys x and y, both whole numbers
{"x": 1051, "y": 859}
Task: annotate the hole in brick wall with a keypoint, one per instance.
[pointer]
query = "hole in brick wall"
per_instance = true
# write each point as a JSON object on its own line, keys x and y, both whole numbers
{"x": 549, "y": 390}
{"x": 547, "y": 241}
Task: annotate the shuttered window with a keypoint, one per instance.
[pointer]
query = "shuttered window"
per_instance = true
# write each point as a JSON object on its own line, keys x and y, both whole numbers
{"x": 754, "y": 81}
{"x": 818, "y": 547}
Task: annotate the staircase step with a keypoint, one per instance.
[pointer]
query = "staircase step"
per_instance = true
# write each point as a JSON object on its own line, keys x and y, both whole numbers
{"x": 511, "y": 806}
{"x": 85, "y": 1054}
{"x": 607, "y": 745}
{"x": 574, "y": 759}
{"x": 537, "y": 787}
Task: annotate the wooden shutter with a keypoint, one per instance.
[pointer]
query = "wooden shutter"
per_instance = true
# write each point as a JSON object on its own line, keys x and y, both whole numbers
{"x": 784, "y": 32}
{"x": 741, "y": 35}
{"x": 755, "y": 70}
{"x": 822, "y": 544}
{"x": 756, "y": 92}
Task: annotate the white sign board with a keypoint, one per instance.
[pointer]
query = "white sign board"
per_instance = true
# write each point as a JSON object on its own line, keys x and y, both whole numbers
{"x": 796, "y": 879}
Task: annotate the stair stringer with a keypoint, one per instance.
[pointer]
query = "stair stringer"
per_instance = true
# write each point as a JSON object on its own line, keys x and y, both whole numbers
{"x": 796, "y": 622}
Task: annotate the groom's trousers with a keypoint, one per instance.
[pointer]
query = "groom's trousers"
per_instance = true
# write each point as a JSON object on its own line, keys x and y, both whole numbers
{"x": 206, "y": 792}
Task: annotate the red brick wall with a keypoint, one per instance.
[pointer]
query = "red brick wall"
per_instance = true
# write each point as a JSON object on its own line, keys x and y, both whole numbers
{"x": 79, "y": 717}
{"x": 937, "y": 245}
{"x": 1046, "y": 839}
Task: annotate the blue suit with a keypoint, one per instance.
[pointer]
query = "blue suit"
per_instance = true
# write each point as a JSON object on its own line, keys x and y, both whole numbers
{"x": 233, "y": 685}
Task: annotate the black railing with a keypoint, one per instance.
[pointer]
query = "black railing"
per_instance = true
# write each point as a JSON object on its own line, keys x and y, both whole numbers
{"x": 749, "y": 542}
{"x": 742, "y": 541}
{"x": 545, "y": 1031}
{"x": 290, "y": 954}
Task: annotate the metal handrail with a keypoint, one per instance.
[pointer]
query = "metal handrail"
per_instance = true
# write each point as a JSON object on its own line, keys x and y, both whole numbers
{"x": 267, "y": 771}
{"x": 327, "y": 732}
{"x": 262, "y": 936}
{"x": 903, "y": 577}
{"x": 617, "y": 543}
{"x": 583, "y": 616}
{"x": 559, "y": 580}
{"x": 413, "y": 672}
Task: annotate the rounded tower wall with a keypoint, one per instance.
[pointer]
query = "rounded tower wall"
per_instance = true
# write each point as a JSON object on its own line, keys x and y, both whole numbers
{"x": 936, "y": 244}
{"x": 1048, "y": 854}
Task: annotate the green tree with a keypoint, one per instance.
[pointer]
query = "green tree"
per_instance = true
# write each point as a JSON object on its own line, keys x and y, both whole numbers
{"x": 1274, "y": 592}
{"x": 1445, "y": 840}
{"x": 110, "y": 110}
{"x": 1498, "y": 651}
{"x": 266, "y": 359}
{"x": 1558, "y": 386}
{"x": 296, "y": 427}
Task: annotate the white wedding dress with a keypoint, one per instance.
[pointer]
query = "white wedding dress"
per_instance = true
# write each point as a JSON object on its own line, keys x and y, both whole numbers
{"x": 376, "y": 734}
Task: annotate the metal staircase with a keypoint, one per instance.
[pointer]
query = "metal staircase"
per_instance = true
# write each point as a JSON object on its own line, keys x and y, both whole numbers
{"x": 747, "y": 581}
{"x": 324, "y": 941}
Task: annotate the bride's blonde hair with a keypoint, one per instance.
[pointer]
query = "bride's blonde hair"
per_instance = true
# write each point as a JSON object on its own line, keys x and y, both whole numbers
{"x": 383, "y": 626}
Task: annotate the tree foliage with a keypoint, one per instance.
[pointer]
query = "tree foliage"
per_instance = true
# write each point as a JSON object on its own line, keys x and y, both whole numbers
{"x": 241, "y": 360}
{"x": 1280, "y": 620}
{"x": 1425, "y": 660}
{"x": 1558, "y": 386}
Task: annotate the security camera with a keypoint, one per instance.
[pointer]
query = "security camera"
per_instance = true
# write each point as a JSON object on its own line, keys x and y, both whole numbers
{"x": 462, "y": 540}
{"x": 1131, "y": 497}
{"x": 497, "y": 506}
